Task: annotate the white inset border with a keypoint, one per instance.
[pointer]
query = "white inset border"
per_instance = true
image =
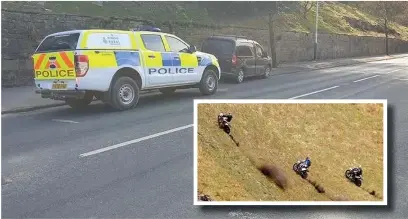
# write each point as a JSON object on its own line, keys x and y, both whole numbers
{"x": 384, "y": 202}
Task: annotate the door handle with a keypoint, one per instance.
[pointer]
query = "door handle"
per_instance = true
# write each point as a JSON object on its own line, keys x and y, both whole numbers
{"x": 152, "y": 56}
{"x": 176, "y": 58}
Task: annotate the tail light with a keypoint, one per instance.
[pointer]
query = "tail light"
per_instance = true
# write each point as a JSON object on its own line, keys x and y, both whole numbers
{"x": 234, "y": 60}
{"x": 81, "y": 65}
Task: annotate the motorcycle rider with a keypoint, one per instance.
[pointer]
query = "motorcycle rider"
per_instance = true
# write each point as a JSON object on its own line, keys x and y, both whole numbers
{"x": 224, "y": 119}
{"x": 357, "y": 172}
{"x": 305, "y": 163}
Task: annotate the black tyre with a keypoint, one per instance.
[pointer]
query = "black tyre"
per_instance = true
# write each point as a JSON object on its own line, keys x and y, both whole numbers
{"x": 80, "y": 103}
{"x": 239, "y": 78}
{"x": 167, "y": 90}
{"x": 209, "y": 82}
{"x": 358, "y": 182}
{"x": 227, "y": 129}
{"x": 267, "y": 72}
{"x": 347, "y": 174}
{"x": 125, "y": 94}
{"x": 295, "y": 167}
{"x": 304, "y": 175}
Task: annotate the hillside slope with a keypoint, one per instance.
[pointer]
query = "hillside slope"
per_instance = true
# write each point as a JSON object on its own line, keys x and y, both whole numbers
{"x": 334, "y": 17}
{"x": 336, "y": 137}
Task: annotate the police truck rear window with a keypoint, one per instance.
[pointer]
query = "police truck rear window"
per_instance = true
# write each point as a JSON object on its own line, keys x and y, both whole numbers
{"x": 59, "y": 43}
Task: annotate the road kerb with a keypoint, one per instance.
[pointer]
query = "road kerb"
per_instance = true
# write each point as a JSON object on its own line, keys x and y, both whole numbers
{"x": 31, "y": 108}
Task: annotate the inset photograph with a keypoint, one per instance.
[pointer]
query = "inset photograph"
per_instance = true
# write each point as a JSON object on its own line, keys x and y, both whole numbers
{"x": 290, "y": 152}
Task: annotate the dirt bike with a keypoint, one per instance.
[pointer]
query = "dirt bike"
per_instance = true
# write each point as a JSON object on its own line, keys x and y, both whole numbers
{"x": 224, "y": 125}
{"x": 302, "y": 172}
{"x": 357, "y": 180}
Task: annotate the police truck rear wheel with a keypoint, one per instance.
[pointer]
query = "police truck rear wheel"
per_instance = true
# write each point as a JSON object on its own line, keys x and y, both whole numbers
{"x": 209, "y": 82}
{"x": 124, "y": 94}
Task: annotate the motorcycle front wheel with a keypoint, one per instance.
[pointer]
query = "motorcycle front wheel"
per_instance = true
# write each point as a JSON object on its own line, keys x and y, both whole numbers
{"x": 295, "y": 167}
{"x": 347, "y": 174}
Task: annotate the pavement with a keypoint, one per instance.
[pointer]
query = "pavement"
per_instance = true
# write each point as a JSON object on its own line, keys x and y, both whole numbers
{"x": 22, "y": 99}
{"x": 139, "y": 163}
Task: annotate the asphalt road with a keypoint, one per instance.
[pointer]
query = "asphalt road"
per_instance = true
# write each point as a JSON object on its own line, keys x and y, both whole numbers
{"x": 46, "y": 153}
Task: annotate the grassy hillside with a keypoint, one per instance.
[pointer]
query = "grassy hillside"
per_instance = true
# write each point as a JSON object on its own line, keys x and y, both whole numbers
{"x": 335, "y": 136}
{"x": 335, "y": 17}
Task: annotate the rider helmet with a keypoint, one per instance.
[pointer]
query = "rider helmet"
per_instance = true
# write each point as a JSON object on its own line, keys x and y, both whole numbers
{"x": 307, "y": 161}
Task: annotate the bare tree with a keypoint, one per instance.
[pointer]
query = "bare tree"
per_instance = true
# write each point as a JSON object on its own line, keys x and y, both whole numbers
{"x": 305, "y": 7}
{"x": 386, "y": 12}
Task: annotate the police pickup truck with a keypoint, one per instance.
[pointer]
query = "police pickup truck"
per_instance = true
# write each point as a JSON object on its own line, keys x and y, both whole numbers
{"x": 115, "y": 66}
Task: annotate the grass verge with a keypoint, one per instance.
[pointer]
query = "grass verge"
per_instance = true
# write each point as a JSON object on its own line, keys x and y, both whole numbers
{"x": 335, "y": 136}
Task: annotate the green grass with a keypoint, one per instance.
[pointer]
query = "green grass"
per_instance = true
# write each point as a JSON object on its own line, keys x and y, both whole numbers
{"x": 335, "y": 136}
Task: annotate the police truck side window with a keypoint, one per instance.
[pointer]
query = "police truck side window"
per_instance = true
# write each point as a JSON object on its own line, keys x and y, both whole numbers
{"x": 176, "y": 45}
{"x": 153, "y": 42}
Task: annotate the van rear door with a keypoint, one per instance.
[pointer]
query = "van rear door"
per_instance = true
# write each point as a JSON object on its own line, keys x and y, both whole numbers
{"x": 54, "y": 59}
{"x": 221, "y": 48}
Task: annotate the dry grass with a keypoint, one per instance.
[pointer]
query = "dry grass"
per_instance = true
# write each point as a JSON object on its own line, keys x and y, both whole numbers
{"x": 335, "y": 136}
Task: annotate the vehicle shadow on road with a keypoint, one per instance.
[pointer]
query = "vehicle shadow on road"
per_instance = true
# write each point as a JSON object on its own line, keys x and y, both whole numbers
{"x": 146, "y": 102}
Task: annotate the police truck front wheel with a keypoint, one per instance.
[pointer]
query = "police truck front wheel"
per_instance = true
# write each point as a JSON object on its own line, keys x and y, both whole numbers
{"x": 209, "y": 82}
{"x": 124, "y": 94}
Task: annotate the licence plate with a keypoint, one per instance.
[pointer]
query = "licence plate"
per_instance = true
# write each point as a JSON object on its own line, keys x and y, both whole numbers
{"x": 59, "y": 86}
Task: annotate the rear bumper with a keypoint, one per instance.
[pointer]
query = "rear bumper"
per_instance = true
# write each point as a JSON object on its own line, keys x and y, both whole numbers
{"x": 61, "y": 94}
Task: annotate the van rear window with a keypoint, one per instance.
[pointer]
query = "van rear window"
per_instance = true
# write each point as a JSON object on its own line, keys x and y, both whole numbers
{"x": 218, "y": 47}
{"x": 59, "y": 43}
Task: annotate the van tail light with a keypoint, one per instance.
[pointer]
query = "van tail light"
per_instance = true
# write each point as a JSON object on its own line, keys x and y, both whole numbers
{"x": 81, "y": 65}
{"x": 234, "y": 60}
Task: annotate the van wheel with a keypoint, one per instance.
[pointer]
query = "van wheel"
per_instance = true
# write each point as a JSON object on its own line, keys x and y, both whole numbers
{"x": 167, "y": 90}
{"x": 124, "y": 94}
{"x": 209, "y": 82}
{"x": 80, "y": 103}
{"x": 240, "y": 76}
{"x": 267, "y": 72}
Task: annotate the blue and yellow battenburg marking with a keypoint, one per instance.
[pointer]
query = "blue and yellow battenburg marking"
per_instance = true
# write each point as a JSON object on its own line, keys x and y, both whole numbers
{"x": 167, "y": 59}
{"x": 127, "y": 58}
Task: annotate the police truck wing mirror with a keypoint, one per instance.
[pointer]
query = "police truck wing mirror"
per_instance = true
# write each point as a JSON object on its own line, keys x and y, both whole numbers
{"x": 192, "y": 49}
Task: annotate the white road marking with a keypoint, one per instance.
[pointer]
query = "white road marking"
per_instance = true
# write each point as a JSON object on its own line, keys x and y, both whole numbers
{"x": 135, "y": 141}
{"x": 62, "y": 120}
{"x": 363, "y": 79}
{"x": 314, "y": 92}
{"x": 395, "y": 70}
